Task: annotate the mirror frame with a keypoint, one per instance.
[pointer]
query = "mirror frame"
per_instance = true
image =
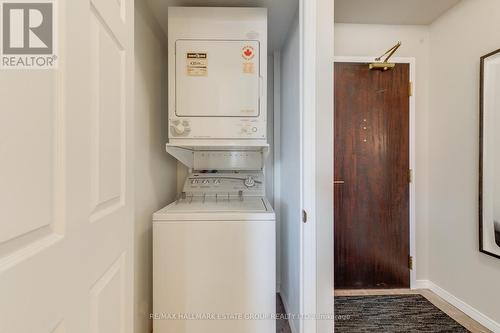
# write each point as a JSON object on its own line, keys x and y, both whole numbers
{"x": 481, "y": 151}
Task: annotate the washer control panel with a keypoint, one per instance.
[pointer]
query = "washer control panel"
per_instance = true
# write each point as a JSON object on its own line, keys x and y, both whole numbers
{"x": 249, "y": 183}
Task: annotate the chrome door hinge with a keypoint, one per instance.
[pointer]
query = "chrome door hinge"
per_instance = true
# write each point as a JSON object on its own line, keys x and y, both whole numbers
{"x": 410, "y": 262}
{"x": 304, "y": 216}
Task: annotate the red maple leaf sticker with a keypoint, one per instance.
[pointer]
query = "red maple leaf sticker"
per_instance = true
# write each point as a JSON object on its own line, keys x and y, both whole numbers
{"x": 247, "y": 53}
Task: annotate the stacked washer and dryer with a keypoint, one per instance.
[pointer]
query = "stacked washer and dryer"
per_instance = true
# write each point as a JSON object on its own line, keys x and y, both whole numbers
{"x": 214, "y": 263}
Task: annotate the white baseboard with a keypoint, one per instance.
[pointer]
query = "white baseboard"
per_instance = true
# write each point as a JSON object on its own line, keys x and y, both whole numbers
{"x": 290, "y": 322}
{"x": 459, "y": 304}
{"x": 421, "y": 284}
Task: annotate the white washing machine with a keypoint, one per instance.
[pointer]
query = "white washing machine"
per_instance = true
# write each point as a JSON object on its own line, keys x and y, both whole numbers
{"x": 214, "y": 257}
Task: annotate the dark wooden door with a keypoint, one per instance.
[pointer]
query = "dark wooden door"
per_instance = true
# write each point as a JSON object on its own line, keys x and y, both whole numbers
{"x": 371, "y": 187}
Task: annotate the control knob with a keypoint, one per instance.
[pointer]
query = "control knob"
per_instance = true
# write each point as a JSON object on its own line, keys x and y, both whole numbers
{"x": 249, "y": 181}
{"x": 179, "y": 128}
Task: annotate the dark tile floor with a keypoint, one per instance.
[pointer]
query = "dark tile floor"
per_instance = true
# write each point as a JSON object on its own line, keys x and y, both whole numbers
{"x": 281, "y": 324}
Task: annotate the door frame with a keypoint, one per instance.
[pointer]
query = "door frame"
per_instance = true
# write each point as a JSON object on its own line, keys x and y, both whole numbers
{"x": 316, "y": 104}
{"x": 412, "y": 62}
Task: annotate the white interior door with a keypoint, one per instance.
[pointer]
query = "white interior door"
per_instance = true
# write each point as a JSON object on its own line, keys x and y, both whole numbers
{"x": 66, "y": 229}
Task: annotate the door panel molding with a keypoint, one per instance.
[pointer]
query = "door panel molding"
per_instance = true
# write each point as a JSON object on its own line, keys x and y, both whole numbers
{"x": 107, "y": 299}
{"x": 20, "y": 242}
{"x": 108, "y": 119}
{"x": 114, "y": 14}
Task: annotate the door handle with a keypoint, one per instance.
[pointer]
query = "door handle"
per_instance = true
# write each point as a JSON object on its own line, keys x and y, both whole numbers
{"x": 338, "y": 182}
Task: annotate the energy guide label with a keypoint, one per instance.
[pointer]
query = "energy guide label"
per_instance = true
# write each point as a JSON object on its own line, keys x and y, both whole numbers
{"x": 197, "y": 64}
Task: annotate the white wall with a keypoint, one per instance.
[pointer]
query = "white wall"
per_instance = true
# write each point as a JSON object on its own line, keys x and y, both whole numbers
{"x": 290, "y": 172}
{"x": 155, "y": 170}
{"x": 269, "y": 165}
{"x": 458, "y": 39}
{"x": 372, "y": 40}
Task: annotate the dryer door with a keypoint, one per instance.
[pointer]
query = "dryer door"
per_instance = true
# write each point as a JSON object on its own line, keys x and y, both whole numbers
{"x": 217, "y": 78}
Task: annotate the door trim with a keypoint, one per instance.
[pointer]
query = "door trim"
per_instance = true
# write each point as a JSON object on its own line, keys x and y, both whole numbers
{"x": 412, "y": 62}
{"x": 316, "y": 87}
{"x": 277, "y": 159}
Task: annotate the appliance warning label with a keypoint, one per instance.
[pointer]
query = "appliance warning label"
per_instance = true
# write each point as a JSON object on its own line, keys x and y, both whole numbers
{"x": 197, "y": 64}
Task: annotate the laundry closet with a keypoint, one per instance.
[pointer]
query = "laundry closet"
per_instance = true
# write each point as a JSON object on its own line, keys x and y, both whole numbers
{"x": 218, "y": 84}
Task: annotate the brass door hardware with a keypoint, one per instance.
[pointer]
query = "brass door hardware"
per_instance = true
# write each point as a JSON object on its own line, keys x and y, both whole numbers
{"x": 410, "y": 262}
{"x": 385, "y": 65}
